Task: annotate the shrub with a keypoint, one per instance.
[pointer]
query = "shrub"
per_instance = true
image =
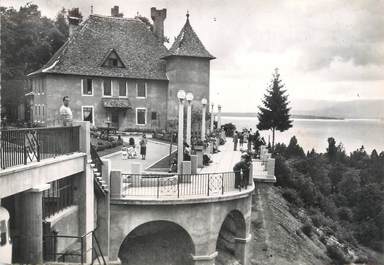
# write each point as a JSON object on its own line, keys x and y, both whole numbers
{"x": 307, "y": 229}
{"x": 292, "y": 197}
{"x": 337, "y": 255}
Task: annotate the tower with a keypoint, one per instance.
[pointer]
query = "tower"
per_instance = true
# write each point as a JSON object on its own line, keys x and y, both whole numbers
{"x": 187, "y": 68}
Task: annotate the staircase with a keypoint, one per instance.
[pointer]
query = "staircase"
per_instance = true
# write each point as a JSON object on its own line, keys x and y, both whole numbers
{"x": 96, "y": 165}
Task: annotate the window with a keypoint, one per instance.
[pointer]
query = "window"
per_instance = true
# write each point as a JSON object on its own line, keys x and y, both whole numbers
{"x": 107, "y": 89}
{"x": 87, "y": 87}
{"x": 141, "y": 89}
{"x": 123, "y": 89}
{"x": 88, "y": 114}
{"x": 154, "y": 115}
{"x": 113, "y": 60}
{"x": 141, "y": 116}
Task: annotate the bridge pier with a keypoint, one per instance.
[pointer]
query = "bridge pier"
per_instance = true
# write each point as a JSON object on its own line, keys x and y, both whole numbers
{"x": 241, "y": 249}
{"x": 204, "y": 260}
{"x": 30, "y": 215}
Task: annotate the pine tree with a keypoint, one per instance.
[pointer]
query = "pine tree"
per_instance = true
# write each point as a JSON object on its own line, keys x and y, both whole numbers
{"x": 274, "y": 115}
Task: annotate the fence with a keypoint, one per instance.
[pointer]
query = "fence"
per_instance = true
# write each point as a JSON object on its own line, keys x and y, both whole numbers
{"x": 59, "y": 196}
{"x": 21, "y": 146}
{"x": 170, "y": 185}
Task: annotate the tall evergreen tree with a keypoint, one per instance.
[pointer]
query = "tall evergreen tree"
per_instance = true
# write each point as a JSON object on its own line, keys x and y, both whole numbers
{"x": 274, "y": 115}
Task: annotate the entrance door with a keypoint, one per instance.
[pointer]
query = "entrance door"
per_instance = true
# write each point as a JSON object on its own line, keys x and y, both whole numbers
{"x": 115, "y": 118}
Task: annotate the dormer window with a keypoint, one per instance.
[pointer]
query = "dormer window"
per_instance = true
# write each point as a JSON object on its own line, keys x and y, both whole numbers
{"x": 112, "y": 60}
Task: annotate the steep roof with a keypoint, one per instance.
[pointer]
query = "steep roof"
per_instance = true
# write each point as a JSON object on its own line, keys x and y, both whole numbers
{"x": 84, "y": 52}
{"x": 188, "y": 44}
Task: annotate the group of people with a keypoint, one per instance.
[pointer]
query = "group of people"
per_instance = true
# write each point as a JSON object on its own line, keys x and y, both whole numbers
{"x": 131, "y": 148}
{"x": 252, "y": 139}
{"x": 242, "y": 171}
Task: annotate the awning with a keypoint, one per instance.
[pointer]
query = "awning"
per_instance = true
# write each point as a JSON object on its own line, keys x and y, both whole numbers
{"x": 122, "y": 103}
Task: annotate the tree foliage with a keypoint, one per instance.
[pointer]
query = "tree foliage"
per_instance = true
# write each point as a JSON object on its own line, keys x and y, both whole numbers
{"x": 274, "y": 114}
{"x": 28, "y": 41}
{"x": 345, "y": 193}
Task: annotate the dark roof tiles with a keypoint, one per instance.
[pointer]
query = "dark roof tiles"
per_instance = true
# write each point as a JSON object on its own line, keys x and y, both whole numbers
{"x": 84, "y": 52}
{"x": 188, "y": 44}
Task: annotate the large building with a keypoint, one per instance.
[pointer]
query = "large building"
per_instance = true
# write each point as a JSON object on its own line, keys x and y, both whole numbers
{"x": 118, "y": 71}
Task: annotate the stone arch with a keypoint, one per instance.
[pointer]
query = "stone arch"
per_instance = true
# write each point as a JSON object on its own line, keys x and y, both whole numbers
{"x": 233, "y": 228}
{"x": 157, "y": 242}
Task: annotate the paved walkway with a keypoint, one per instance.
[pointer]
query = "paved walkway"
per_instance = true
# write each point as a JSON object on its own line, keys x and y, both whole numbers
{"x": 155, "y": 152}
{"x": 224, "y": 160}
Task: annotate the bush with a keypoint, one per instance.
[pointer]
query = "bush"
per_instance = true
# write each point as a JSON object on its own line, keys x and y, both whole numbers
{"x": 337, "y": 255}
{"x": 292, "y": 197}
{"x": 307, "y": 229}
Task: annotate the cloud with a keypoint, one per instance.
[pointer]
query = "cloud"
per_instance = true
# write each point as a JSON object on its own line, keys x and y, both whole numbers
{"x": 329, "y": 49}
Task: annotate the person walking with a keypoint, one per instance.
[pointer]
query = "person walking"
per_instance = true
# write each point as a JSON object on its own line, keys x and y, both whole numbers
{"x": 250, "y": 140}
{"x": 66, "y": 112}
{"x": 235, "y": 140}
{"x": 143, "y": 146}
{"x": 241, "y": 138}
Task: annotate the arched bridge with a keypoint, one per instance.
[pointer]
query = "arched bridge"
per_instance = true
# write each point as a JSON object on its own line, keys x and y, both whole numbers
{"x": 187, "y": 220}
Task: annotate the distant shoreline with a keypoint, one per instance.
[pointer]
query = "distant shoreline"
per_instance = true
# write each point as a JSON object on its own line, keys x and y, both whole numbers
{"x": 293, "y": 116}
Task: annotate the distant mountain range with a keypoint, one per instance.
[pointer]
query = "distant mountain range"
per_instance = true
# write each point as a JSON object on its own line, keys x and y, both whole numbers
{"x": 359, "y": 109}
{"x": 322, "y": 109}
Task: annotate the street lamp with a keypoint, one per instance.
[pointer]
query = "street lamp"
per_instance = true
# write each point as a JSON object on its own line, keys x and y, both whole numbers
{"x": 218, "y": 117}
{"x": 189, "y": 98}
{"x": 204, "y": 102}
{"x": 181, "y": 97}
{"x": 212, "y": 117}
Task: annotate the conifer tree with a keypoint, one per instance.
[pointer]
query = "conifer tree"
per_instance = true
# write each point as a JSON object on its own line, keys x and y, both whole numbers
{"x": 274, "y": 115}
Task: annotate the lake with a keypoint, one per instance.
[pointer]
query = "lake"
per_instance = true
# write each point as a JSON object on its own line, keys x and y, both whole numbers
{"x": 313, "y": 133}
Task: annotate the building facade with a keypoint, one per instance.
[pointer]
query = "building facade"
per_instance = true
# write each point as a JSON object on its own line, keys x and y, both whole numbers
{"x": 117, "y": 72}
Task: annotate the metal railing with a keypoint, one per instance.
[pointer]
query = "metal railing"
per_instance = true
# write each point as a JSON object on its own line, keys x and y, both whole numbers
{"x": 51, "y": 253}
{"x": 178, "y": 186}
{"x": 21, "y": 146}
{"x": 58, "y": 197}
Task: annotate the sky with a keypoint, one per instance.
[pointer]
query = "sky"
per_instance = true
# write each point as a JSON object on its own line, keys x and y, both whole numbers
{"x": 325, "y": 50}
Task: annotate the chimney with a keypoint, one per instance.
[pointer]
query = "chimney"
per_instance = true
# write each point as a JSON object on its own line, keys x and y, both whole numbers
{"x": 115, "y": 12}
{"x": 74, "y": 19}
{"x": 158, "y": 16}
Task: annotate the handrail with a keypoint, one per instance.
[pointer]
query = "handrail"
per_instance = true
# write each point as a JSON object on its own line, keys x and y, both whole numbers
{"x": 96, "y": 250}
{"x": 21, "y": 146}
{"x": 37, "y": 128}
{"x": 182, "y": 185}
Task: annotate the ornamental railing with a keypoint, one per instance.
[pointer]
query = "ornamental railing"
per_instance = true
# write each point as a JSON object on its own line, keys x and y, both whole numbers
{"x": 22, "y": 146}
{"x": 165, "y": 186}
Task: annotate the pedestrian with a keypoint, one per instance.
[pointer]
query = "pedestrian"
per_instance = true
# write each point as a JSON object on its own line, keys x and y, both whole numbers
{"x": 143, "y": 146}
{"x": 246, "y": 170}
{"x": 241, "y": 139}
{"x": 250, "y": 140}
{"x": 66, "y": 112}
{"x": 235, "y": 140}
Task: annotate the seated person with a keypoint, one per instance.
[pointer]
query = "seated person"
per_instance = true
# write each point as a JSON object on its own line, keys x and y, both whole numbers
{"x": 187, "y": 152}
{"x": 131, "y": 142}
{"x": 206, "y": 160}
{"x": 173, "y": 167}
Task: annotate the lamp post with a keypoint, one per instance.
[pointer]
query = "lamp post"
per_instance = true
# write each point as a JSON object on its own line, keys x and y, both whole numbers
{"x": 189, "y": 99}
{"x": 212, "y": 117}
{"x": 204, "y": 102}
{"x": 181, "y": 97}
{"x": 218, "y": 117}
